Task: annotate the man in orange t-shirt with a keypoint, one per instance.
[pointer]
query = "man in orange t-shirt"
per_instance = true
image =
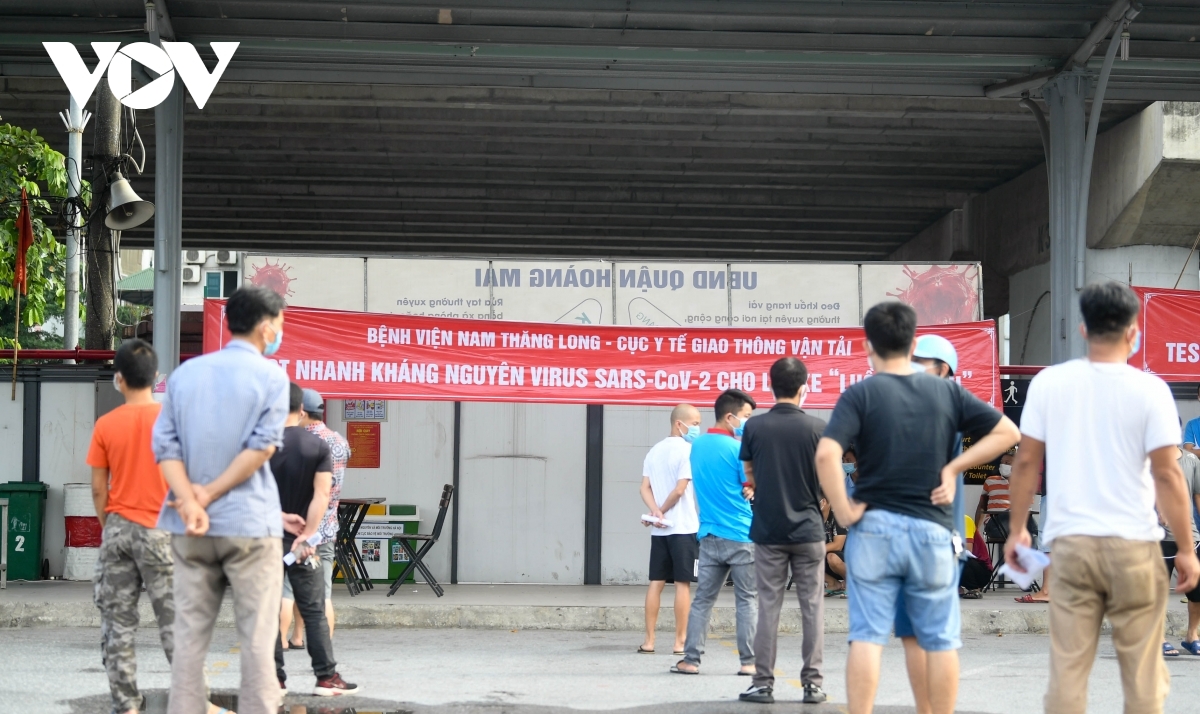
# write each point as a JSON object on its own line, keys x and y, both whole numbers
{"x": 129, "y": 490}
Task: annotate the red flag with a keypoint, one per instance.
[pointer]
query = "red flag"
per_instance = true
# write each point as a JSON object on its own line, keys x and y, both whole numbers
{"x": 24, "y": 243}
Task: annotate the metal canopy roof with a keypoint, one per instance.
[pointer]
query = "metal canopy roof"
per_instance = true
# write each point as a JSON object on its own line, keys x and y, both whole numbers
{"x": 703, "y": 129}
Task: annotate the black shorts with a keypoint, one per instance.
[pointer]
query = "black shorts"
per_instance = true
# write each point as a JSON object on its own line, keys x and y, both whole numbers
{"x": 829, "y": 571}
{"x": 675, "y": 558}
{"x": 1169, "y": 549}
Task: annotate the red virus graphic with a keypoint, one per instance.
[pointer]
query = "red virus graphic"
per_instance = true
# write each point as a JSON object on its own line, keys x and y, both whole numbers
{"x": 942, "y": 294}
{"x": 274, "y": 276}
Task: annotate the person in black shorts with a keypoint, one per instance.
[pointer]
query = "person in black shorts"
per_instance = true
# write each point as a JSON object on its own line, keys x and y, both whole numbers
{"x": 674, "y": 551}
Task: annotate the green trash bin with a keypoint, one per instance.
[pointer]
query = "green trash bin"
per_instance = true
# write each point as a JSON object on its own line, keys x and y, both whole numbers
{"x": 26, "y": 511}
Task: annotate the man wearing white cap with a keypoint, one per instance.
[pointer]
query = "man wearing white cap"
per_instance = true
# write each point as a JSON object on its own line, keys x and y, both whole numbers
{"x": 312, "y": 419}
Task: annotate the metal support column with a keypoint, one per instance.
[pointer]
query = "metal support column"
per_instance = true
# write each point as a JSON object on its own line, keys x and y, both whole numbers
{"x": 168, "y": 227}
{"x": 1065, "y": 96}
{"x": 593, "y": 519}
{"x": 31, "y": 432}
{"x": 76, "y": 119}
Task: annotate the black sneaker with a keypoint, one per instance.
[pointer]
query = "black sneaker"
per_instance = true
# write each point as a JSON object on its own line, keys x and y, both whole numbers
{"x": 334, "y": 686}
{"x": 758, "y": 695}
{"x": 814, "y": 694}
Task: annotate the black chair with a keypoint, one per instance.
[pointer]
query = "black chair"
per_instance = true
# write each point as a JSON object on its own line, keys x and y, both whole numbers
{"x": 415, "y": 558}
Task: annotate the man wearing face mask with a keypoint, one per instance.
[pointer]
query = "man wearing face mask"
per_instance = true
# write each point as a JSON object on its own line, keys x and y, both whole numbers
{"x": 787, "y": 530}
{"x": 222, "y": 420}
{"x": 725, "y": 546}
{"x": 674, "y": 552}
{"x": 1109, "y": 434}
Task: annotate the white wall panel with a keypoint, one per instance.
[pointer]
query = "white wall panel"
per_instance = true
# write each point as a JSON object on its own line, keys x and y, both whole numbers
{"x": 68, "y": 415}
{"x": 415, "y": 461}
{"x": 310, "y": 281}
{"x": 522, "y": 493}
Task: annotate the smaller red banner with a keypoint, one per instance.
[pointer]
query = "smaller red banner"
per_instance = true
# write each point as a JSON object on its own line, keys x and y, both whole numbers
{"x": 364, "y": 440}
{"x": 1170, "y": 324}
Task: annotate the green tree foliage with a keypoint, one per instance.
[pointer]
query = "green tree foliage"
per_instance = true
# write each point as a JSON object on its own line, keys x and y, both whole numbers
{"x": 27, "y": 161}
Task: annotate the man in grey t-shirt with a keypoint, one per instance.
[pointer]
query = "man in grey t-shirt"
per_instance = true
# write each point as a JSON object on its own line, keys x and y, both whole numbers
{"x": 1191, "y": 476}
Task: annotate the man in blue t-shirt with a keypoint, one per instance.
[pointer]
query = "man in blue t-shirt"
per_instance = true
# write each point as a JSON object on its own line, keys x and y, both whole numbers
{"x": 725, "y": 517}
{"x": 1191, "y": 434}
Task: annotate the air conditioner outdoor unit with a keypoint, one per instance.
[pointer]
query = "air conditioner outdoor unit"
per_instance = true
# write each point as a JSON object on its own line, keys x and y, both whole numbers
{"x": 226, "y": 257}
{"x": 194, "y": 256}
{"x": 191, "y": 274}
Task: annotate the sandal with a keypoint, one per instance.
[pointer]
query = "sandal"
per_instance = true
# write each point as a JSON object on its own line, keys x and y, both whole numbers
{"x": 676, "y": 670}
{"x": 643, "y": 650}
{"x": 834, "y": 593}
{"x": 1192, "y": 647}
{"x": 972, "y": 595}
{"x": 1030, "y": 600}
{"x": 1169, "y": 650}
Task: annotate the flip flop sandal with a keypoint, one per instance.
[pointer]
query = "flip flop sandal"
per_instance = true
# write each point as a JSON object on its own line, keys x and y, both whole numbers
{"x": 679, "y": 653}
{"x": 1169, "y": 650}
{"x": 676, "y": 670}
{"x": 745, "y": 674}
{"x": 1028, "y": 600}
{"x": 834, "y": 593}
{"x": 1192, "y": 647}
{"x": 643, "y": 650}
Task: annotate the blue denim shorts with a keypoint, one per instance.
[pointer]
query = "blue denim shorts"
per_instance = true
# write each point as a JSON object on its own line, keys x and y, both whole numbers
{"x": 892, "y": 559}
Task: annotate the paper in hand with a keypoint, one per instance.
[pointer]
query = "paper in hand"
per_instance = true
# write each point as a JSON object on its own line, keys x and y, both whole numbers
{"x": 289, "y": 558}
{"x": 1033, "y": 561}
{"x": 660, "y": 521}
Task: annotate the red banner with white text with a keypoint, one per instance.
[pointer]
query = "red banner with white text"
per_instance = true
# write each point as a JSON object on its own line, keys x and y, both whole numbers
{"x": 1170, "y": 324}
{"x": 351, "y": 355}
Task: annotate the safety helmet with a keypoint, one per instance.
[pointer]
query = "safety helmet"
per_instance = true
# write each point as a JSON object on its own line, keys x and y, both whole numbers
{"x": 937, "y": 347}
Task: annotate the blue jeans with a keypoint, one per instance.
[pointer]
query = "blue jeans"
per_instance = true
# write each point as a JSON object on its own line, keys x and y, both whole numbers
{"x": 718, "y": 558}
{"x": 891, "y": 556}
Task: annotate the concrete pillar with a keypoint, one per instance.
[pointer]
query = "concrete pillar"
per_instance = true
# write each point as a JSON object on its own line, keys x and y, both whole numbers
{"x": 76, "y": 120}
{"x": 1065, "y": 95}
{"x": 168, "y": 227}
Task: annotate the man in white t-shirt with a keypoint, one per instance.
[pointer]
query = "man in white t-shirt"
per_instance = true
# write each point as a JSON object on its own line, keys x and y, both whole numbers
{"x": 674, "y": 552}
{"x": 1109, "y": 435}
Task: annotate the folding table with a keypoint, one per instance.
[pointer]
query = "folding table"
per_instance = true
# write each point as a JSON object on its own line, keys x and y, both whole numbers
{"x": 351, "y": 513}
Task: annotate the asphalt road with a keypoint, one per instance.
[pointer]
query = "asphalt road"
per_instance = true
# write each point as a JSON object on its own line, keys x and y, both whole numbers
{"x": 59, "y": 670}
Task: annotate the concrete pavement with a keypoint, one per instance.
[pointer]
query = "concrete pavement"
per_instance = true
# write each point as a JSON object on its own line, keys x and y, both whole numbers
{"x": 58, "y": 671}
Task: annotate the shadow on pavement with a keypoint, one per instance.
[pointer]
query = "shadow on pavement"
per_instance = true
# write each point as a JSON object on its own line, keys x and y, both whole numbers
{"x": 156, "y": 703}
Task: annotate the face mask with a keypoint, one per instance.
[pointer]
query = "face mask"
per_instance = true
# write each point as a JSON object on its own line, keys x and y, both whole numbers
{"x": 740, "y": 428}
{"x": 849, "y": 468}
{"x": 1137, "y": 344}
{"x": 1005, "y": 470}
{"x": 273, "y": 347}
{"x": 116, "y": 386}
{"x": 693, "y": 431}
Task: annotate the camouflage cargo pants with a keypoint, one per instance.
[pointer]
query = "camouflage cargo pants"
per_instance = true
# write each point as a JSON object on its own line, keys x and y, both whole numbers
{"x": 131, "y": 556}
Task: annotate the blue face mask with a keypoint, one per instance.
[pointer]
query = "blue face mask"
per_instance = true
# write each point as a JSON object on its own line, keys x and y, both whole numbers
{"x": 692, "y": 432}
{"x": 740, "y": 428}
{"x": 275, "y": 344}
{"x": 1137, "y": 344}
{"x": 849, "y": 468}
